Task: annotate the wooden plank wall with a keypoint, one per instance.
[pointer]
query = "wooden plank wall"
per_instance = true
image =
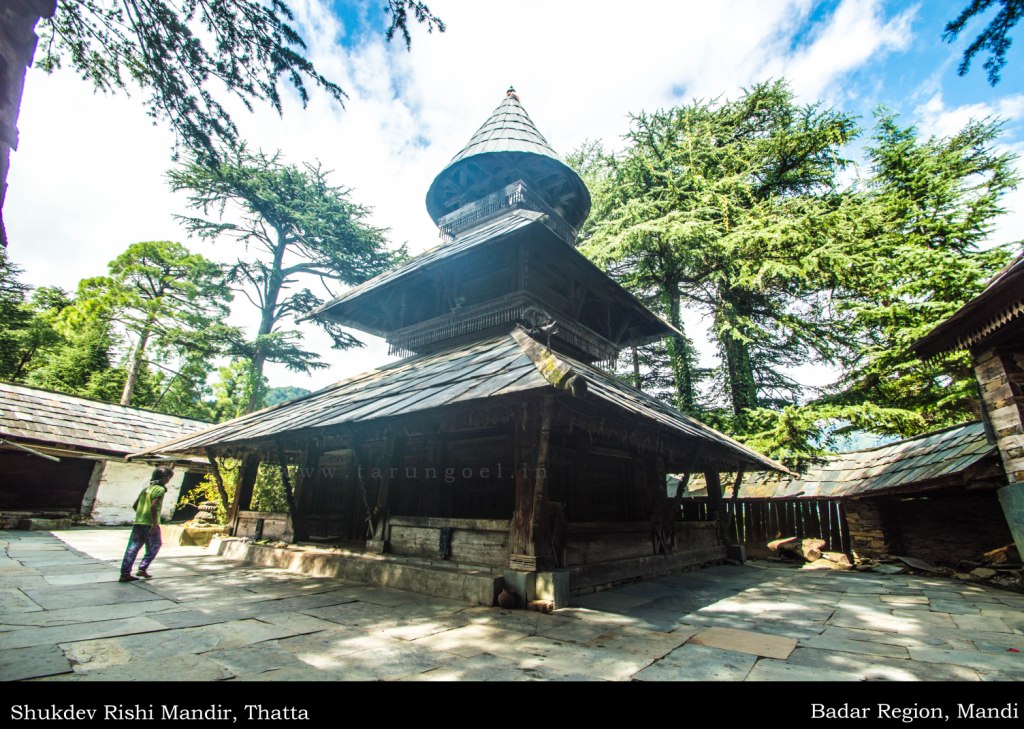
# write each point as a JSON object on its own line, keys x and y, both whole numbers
{"x": 755, "y": 522}
{"x": 474, "y": 541}
{"x": 588, "y": 543}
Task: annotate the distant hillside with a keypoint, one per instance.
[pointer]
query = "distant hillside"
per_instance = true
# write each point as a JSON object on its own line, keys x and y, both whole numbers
{"x": 278, "y": 395}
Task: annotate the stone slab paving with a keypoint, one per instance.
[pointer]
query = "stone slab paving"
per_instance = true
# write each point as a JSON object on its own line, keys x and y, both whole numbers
{"x": 746, "y": 641}
{"x": 64, "y": 617}
{"x": 33, "y": 662}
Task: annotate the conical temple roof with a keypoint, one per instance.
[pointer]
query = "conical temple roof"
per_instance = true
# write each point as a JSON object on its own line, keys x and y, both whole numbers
{"x": 508, "y": 129}
{"x": 506, "y": 148}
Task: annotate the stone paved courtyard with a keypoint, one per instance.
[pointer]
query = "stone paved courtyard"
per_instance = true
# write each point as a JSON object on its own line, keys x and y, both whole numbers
{"x": 64, "y": 617}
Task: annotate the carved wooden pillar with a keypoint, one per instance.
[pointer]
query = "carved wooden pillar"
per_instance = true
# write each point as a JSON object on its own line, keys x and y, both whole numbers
{"x": 243, "y": 492}
{"x": 529, "y": 520}
{"x": 390, "y": 467}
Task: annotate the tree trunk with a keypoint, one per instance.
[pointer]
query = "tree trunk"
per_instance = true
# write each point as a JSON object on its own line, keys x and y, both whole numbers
{"x": 636, "y": 368}
{"x": 736, "y": 353}
{"x": 256, "y": 383}
{"x": 135, "y": 367}
{"x": 268, "y": 317}
{"x": 680, "y": 356}
{"x": 225, "y": 502}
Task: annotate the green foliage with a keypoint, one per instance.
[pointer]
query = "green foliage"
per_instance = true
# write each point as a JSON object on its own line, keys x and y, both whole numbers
{"x": 158, "y": 293}
{"x": 301, "y": 228}
{"x": 930, "y": 205}
{"x": 236, "y": 388}
{"x": 800, "y": 435}
{"x": 278, "y": 395}
{"x": 733, "y": 208}
{"x": 171, "y": 302}
{"x": 995, "y": 38}
{"x": 14, "y": 318}
{"x": 723, "y": 206}
{"x": 268, "y": 491}
{"x": 186, "y": 393}
{"x": 186, "y": 53}
{"x": 81, "y": 363}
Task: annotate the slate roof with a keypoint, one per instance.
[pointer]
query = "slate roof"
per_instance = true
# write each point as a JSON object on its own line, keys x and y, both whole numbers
{"x": 508, "y": 141}
{"x": 344, "y": 308}
{"x": 486, "y": 369}
{"x": 32, "y": 416}
{"x": 903, "y": 466}
{"x": 486, "y": 234}
{"x": 508, "y": 129}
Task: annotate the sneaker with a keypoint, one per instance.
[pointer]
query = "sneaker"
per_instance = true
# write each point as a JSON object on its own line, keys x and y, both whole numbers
{"x": 143, "y": 573}
{"x": 128, "y": 578}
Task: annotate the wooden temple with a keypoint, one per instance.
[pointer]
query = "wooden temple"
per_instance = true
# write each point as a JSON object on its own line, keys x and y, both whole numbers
{"x": 498, "y": 442}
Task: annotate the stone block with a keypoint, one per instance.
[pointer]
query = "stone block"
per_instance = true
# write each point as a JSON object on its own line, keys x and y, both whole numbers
{"x": 552, "y": 587}
{"x": 33, "y": 662}
{"x": 44, "y": 525}
{"x": 523, "y": 584}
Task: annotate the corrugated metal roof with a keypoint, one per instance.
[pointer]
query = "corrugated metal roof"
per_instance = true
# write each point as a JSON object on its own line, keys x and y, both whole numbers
{"x": 31, "y": 415}
{"x": 897, "y": 466}
{"x": 486, "y": 369}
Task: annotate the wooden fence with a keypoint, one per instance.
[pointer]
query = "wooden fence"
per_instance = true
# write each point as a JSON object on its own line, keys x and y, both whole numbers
{"x": 755, "y": 522}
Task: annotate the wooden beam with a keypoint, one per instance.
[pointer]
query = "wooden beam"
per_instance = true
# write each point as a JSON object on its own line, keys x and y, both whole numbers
{"x": 289, "y": 495}
{"x": 730, "y": 515}
{"x": 529, "y": 520}
{"x": 243, "y": 491}
{"x": 716, "y": 505}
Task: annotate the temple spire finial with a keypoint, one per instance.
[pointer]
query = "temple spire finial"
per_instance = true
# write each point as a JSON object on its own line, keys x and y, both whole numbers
{"x": 512, "y": 92}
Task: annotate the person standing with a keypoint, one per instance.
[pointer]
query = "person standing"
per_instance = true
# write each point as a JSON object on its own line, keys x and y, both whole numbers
{"x": 146, "y": 530}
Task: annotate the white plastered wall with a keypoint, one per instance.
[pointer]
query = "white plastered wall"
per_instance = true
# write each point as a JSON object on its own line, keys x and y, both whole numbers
{"x": 120, "y": 483}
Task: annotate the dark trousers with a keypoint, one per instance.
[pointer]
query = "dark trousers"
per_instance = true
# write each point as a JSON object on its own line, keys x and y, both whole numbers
{"x": 142, "y": 534}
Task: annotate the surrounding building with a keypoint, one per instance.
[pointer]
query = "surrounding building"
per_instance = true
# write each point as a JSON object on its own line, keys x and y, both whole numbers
{"x": 991, "y": 327}
{"x": 932, "y": 497}
{"x": 63, "y": 456}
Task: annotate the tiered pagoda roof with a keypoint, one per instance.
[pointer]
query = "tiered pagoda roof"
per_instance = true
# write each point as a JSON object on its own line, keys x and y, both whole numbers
{"x": 504, "y": 307}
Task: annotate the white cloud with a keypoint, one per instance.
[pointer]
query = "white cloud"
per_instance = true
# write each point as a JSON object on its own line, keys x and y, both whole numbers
{"x": 89, "y": 176}
{"x": 935, "y": 119}
{"x": 856, "y": 33}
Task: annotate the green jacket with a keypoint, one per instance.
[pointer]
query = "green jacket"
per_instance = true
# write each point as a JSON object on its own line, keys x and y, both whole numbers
{"x": 152, "y": 494}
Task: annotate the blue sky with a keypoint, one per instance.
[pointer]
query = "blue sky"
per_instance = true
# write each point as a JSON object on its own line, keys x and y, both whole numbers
{"x": 88, "y": 177}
